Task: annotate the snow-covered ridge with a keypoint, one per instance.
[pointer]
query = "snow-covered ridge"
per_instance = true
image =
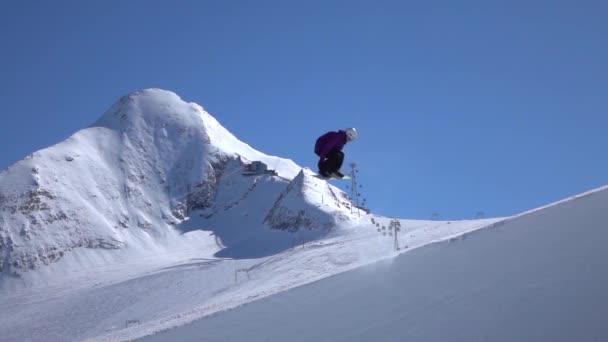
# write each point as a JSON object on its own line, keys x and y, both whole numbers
{"x": 125, "y": 182}
{"x": 536, "y": 211}
{"x": 292, "y": 210}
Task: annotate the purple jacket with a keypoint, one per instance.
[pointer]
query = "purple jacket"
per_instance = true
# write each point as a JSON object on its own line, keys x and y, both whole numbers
{"x": 330, "y": 141}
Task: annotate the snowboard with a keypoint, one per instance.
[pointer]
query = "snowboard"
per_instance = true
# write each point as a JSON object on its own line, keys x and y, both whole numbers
{"x": 332, "y": 177}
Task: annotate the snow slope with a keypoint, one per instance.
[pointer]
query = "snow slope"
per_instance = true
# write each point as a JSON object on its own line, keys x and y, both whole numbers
{"x": 540, "y": 276}
{"x": 123, "y": 302}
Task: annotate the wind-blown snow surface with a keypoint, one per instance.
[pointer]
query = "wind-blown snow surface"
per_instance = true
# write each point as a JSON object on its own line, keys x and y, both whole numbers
{"x": 541, "y": 276}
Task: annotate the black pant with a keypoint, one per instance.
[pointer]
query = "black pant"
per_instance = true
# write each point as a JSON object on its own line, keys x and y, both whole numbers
{"x": 332, "y": 162}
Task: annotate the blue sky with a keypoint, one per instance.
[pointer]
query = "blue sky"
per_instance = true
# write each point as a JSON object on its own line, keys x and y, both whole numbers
{"x": 462, "y": 106}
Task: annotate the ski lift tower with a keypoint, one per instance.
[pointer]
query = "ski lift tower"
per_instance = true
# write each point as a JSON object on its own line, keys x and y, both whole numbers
{"x": 354, "y": 189}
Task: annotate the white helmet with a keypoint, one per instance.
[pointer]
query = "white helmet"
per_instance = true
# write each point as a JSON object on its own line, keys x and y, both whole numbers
{"x": 351, "y": 134}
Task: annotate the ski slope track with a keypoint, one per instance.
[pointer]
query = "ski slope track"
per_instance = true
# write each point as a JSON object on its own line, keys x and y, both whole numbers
{"x": 143, "y": 225}
{"x": 539, "y": 276}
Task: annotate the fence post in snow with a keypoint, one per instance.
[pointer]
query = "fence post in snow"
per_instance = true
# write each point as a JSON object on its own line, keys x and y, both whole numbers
{"x": 354, "y": 190}
{"x": 396, "y": 227}
{"x": 131, "y": 322}
{"x": 237, "y": 271}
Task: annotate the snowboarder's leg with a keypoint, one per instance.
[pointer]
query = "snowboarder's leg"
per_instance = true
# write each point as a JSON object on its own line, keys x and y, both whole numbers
{"x": 331, "y": 164}
{"x": 334, "y": 161}
{"x": 323, "y": 167}
{"x": 339, "y": 160}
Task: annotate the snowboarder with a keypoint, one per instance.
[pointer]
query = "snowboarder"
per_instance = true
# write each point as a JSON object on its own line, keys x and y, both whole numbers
{"x": 329, "y": 148}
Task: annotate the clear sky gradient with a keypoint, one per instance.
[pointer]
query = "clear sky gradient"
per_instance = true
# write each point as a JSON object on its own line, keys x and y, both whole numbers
{"x": 461, "y": 106}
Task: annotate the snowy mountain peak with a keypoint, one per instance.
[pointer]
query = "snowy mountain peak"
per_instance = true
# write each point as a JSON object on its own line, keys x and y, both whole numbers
{"x": 127, "y": 181}
{"x": 165, "y": 116}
